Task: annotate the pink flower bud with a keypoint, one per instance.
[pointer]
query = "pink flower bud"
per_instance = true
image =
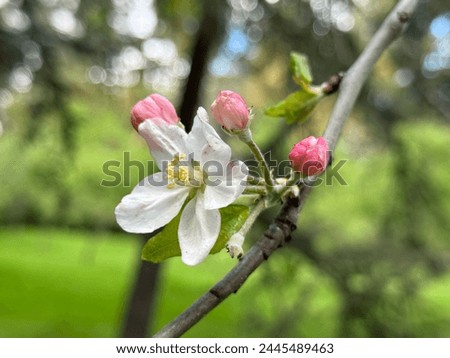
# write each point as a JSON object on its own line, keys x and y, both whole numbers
{"x": 230, "y": 110}
{"x": 310, "y": 156}
{"x": 154, "y": 106}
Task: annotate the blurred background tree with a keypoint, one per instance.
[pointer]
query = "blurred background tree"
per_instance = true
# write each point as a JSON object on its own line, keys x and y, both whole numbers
{"x": 371, "y": 258}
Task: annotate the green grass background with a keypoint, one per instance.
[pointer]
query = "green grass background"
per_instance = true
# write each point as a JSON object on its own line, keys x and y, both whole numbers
{"x": 61, "y": 283}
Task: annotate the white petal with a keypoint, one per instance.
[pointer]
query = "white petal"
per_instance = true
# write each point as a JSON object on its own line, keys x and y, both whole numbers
{"x": 198, "y": 231}
{"x": 222, "y": 191}
{"x": 164, "y": 140}
{"x": 204, "y": 142}
{"x": 202, "y": 115}
{"x": 150, "y": 205}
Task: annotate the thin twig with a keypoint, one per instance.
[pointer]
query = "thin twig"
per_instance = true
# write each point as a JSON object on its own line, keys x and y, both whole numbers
{"x": 280, "y": 231}
{"x": 355, "y": 77}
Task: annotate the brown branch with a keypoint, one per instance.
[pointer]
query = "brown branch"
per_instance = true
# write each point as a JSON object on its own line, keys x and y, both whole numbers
{"x": 280, "y": 231}
{"x": 275, "y": 236}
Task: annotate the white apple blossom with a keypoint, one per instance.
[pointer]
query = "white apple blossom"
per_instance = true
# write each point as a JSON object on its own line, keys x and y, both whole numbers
{"x": 195, "y": 168}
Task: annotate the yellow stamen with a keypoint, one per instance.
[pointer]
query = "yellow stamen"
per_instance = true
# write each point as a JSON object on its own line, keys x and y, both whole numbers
{"x": 179, "y": 174}
{"x": 170, "y": 172}
{"x": 183, "y": 174}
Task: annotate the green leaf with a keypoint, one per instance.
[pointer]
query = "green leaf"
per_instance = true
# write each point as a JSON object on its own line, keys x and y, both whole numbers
{"x": 165, "y": 244}
{"x": 233, "y": 217}
{"x": 296, "y": 107}
{"x": 300, "y": 69}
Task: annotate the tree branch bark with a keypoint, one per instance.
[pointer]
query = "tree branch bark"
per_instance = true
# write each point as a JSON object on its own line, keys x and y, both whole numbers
{"x": 284, "y": 224}
{"x": 351, "y": 85}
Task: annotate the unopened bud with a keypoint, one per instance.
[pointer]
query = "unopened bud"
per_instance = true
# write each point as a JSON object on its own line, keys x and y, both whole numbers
{"x": 310, "y": 156}
{"x": 234, "y": 245}
{"x": 230, "y": 111}
{"x": 152, "y": 107}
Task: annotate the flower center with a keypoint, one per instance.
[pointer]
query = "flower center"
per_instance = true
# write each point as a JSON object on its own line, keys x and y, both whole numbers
{"x": 184, "y": 172}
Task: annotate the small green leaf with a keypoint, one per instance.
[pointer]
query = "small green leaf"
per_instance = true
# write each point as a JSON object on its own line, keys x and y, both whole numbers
{"x": 296, "y": 107}
{"x": 233, "y": 217}
{"x": 165, "y": 244}
{"x": 300, "y": 69}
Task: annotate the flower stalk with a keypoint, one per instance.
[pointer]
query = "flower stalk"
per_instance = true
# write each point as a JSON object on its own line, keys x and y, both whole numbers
{"x": 234, "y": 245}
{"x": 255, "y": 189}
{"x": 255, "y": 180}
{"x": 247, "y": 138}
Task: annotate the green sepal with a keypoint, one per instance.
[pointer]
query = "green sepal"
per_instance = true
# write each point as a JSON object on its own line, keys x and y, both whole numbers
{"x": 296, "y": 107}
{"x": 165, "y": 244}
